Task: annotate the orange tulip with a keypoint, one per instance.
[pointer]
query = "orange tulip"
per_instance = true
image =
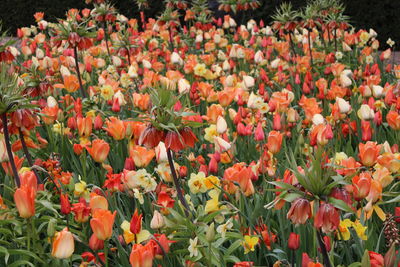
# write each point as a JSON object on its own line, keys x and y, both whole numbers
{"x": 369, "y": 153}
{"x": 141, "y": 156}
{"x": 142, "y": 256}
{"x": 393, "y": 119}
{"x": 115, "y": 128}
{"x": 274, "y": 142}
{"x": 24, "y": 198}
{"x": 63, "y": 244}
{"x": 361, "y": 185}
{"x": 141, "y": 101}
{"x": 99, "y": 150}
{"x": 102, "y": 222}
{"x": 97, "y": 202}
{"x": 84, "y": 126}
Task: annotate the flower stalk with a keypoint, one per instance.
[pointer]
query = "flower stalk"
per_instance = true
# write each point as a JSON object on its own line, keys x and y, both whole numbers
{"x": 9, "y": 151}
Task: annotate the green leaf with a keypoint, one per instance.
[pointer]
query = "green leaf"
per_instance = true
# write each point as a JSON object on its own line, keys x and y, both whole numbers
{"x": 3, "y": 250}
{"x": 235, "y": 245}
{"x": 340, "y": 204}
{"x": 365, "y": 262}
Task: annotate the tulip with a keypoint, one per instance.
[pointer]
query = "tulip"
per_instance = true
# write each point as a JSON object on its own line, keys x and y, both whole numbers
{"x": 376, "y": 259}
{"x": 63, "y": 244}
{"x": 157, "y": 221}
{"x": 393, "y": 119}
{"x": 115, "y": 128}
{"x": 365, "y": 112}
{"x": 65, "y": 204}
{"x": 99, "y": 150}
{"x": 221, "y": 145}
{"x": 81, "y": 210}
{"x": 274, "y": 141}
{"x": 366, "y": 130}
{"x": 248, "y": 81}
{"x": 136, "y": 223}
{"x": 344, "y": 106}
{"x": 221, "y": 125}
{"x": 102, "y": 222}
{"x": 24, "y": 198}
{"x": 368, "y": 153}
{"x": 142, "y": 256}
{"x": 183, "y": 86}
{"x": 327, "y": 218}
{"x": 84, "y": 126}
{"x": 97, "y": 202}
{"x": 95, "y": 243}
{"x": 299, "y": 211}
{"x": 294, "y": 241}
{"x": 259, "y": 132}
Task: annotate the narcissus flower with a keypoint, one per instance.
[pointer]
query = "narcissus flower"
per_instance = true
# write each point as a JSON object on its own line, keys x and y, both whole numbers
{"x": 63, "y": 244}
{"x": 249, "y": 243}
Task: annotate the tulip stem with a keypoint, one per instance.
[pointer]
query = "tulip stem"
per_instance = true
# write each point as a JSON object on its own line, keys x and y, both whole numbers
{"x": 9, "y": 151}
{"x": 78, "y": 72}
{"x": 176, "y": 182}
{"x": 325, "y": 256}
{"x": 106, "y": 252}
{"x": 28, "y": 155}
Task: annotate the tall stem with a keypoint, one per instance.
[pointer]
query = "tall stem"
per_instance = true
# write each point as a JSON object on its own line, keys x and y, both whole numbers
{"x": 327, "y": 262}
{"x": 106, "y": 252}
{"x": 8, "y": 147}
{"x": 334, "y": 36}
{"x": 176, "y": 182}
{"x": 78, "y": 72}
{"x": 27, "y": 154}
{"x": 309, "y": 47}
{"x": 106, "y": 35}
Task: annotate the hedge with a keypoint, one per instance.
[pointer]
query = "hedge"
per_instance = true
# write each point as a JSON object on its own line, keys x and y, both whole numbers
{"x": 380, "y": 15}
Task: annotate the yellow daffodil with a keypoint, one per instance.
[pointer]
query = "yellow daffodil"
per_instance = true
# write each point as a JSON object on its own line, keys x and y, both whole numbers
{"x": 81, "y": 189}
{"x": 360, "y": 229}
{"x": 212, "y": 182}
{"x": 200, "y": 69}
{"x": 343, "y": 230}
{"x": 211, "y": 132}
{"x": 196, "y": 183}
{"x": 212, "y": 204}
{"x": 249, "y": 243}
{"x": 107, "y": 92}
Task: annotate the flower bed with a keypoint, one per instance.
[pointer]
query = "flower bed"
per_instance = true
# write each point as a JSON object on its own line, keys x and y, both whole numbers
{"x": 191, "y": 141}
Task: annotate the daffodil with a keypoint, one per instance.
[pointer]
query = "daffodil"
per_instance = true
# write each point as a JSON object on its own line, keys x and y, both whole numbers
{"x": 196, "y": 183}
{"x": 200, "y": 69}
{"x": 193, "y": 247}
{"x": 81, "y": 189}
{"x": 212, "y": 205}
{"x": 360, "y": 229}
{"x": 211, "y": 132}
{"x": 343, "y": 229}
{"x": 106, "y": 92}
{"x": 223, "y": 228}
{"x": 249, "y": 243}
{"x": 212, "y": 182}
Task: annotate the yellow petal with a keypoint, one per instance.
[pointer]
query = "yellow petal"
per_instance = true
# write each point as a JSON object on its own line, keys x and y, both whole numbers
{"x": 380, "y": 212}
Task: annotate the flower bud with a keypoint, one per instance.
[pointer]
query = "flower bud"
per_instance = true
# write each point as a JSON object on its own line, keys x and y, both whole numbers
{"x": 221, "y": 125}
{"x": 157, "y": 221}
{"x": 210, "y": 234}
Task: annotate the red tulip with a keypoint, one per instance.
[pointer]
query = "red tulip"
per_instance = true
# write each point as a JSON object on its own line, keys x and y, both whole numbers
{"x": 136, "y": 223}
{"x": 294, "y": 241}
{"x": 65, "y": 204}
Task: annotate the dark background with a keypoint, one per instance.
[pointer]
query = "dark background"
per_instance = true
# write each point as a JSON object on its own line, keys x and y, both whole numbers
{"x": 381, "y": 15}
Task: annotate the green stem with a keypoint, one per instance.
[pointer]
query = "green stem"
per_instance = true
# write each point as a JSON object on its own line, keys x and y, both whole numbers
{"x": 28, "y": 155}
{"x": 106, "y": 252}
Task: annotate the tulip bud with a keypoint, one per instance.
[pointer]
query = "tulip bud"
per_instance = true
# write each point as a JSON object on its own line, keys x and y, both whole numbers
{"x": 65, "y": 204}
{"x": 221, "y": 125}
{"x": 95, "y": 243}
{"x": 63, "y": 245}
{"x": 210, "y": 234}
{"x": 294, "y": 241}
{"x": 221, "y": 145}
{"x": 161, "y": 152}
{"x": 157, "y": 221}
{"x": 248, "y": 81}
{"x": 51, "y": 227}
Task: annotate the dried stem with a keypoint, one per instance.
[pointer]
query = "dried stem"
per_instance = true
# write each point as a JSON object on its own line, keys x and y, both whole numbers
{"x": 9, "y": 151}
